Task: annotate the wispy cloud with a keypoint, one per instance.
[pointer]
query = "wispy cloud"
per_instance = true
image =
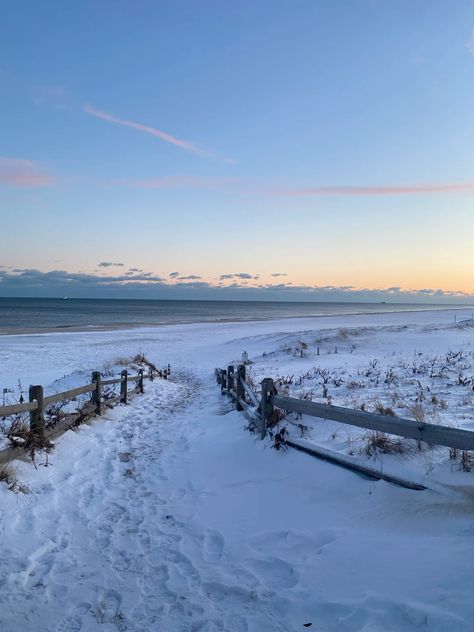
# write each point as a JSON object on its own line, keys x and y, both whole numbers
{"x": 279, "y": 274}
{"x": 241, "y": 186}
{"x": 23, "y": 173}
{"x": 153, "y": 131}
{"x": 108, "y": 264}
{"x": 238, "y": 275}
{"x": 402, "y": 189}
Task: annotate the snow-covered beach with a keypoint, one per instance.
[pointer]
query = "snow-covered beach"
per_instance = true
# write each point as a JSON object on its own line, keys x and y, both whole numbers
{"x": 166, "y": 515}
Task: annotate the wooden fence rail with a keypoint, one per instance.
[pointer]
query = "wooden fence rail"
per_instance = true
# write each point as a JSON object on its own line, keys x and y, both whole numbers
{"x": 408, "y": 428}
{"x": 260, "y": 410}
{"x": 38, "y": 403}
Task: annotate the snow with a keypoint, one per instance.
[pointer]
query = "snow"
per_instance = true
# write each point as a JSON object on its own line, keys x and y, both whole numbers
{"x": 166, "y": 515}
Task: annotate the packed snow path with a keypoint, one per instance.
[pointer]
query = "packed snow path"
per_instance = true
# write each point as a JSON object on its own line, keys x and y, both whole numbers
{"x": 106, "y": 550}
{"x": 166, "y": 516}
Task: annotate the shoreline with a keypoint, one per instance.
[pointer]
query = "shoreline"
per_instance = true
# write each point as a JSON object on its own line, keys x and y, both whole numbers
{"x": 65, "y": 329}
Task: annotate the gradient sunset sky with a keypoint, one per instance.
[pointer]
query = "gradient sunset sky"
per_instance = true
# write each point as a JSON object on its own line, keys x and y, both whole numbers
{"x": 298, "y": 149}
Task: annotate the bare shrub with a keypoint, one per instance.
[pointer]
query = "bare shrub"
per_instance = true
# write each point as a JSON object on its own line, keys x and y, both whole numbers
{"x": 284, "y": 380}
{"x": 18, "y": 430}
{"x": 390, "y": 377}
{"x": 55, "y": 412}
{"x": 20, "y": 436}
{"x": 251, "y": 379}
{"x": 109, "y": 392}
{"x": 279, "y": 439}
{"x": 107, "y": 370}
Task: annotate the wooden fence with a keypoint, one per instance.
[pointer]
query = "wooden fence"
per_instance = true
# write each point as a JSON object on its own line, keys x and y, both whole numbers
{"x": 38, "y": 404}
{"x": 260, "y": 410}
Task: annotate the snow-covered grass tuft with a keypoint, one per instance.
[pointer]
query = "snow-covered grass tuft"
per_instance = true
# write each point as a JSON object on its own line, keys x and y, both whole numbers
{"x": 9, "y": 477}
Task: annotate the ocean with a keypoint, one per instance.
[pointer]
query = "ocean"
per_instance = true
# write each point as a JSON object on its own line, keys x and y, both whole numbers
{"x": 19, "y": 315}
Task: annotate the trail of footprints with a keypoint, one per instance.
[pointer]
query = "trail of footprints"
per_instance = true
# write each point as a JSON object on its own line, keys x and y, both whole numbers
{"x": 123, "y": 547}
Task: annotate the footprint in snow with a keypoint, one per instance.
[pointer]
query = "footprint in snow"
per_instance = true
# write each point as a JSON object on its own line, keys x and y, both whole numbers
{"x": 274, "y": 573}
{"x": 213, "y": 546}
{"x": 73, "y": 621}
{"x": 108, "y": 608}
{"x": 102, "y": 533}
{"x": 294, "y": 542}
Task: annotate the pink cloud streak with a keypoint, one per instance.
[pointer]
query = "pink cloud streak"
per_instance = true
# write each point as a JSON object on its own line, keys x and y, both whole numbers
{"x": 152, "y": 131}
{"x": 402, "y": 189}
{"x": 23, "y": 173}
{"x": 237, "y": 185}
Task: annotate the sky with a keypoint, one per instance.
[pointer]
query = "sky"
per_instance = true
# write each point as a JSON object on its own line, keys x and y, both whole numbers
{"x": 293, "y": 150}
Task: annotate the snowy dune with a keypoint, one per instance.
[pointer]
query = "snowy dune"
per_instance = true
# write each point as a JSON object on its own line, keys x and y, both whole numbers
{"x": 167, "y": 515}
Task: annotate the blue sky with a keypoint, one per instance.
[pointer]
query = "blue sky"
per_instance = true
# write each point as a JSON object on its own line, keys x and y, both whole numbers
{"x": 328, "y": 142}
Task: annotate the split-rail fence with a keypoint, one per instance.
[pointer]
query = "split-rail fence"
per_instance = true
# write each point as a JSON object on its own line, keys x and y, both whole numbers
{"x": 259, "y": 410}
{"x": 37, "y": 406}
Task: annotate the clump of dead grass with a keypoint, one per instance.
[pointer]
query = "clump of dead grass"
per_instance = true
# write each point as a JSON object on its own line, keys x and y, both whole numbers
{"x": 375, "y": 443}
{"x": 384, "y": 410}
{"x": 417, "y": 411}
{"x": 141, "y": 359}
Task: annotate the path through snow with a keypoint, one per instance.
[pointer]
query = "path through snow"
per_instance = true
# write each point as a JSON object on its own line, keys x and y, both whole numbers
{"x": 105, "y": 549}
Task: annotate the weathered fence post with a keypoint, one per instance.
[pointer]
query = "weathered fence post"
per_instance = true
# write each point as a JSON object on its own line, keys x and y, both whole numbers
{"x": 124, "y": 386}
{"x": 37, "y": 416}
{"x": 223, "y": 380}
{"x": 230, "y": 378}
{"x": 140, "y": 380}
{"x": 96, "y": 392}
{"x": 239, "y": 387}
{"x": 266, "y": 406}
